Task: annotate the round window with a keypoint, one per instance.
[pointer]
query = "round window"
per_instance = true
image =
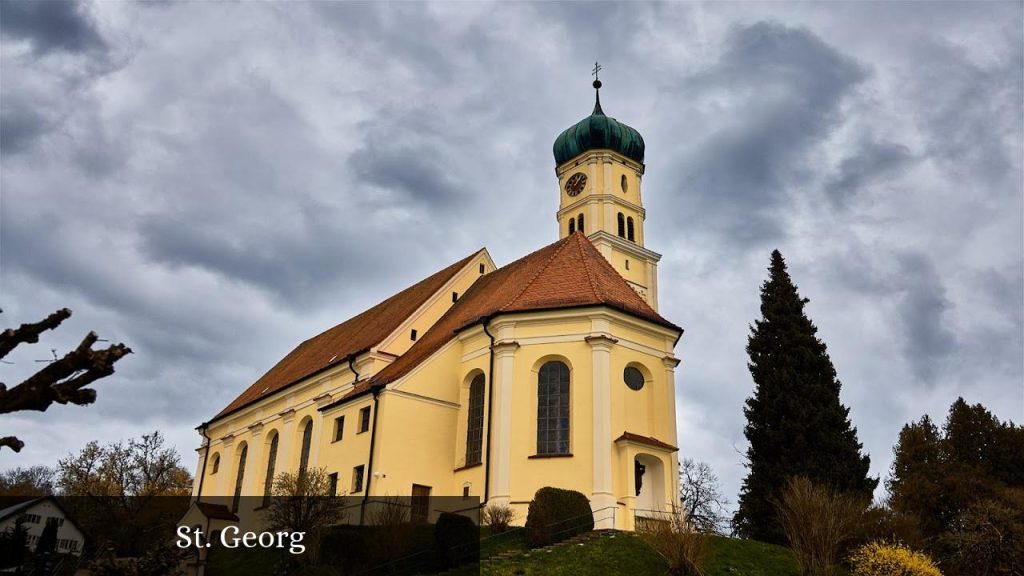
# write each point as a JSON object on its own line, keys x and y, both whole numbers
{"x": 633, "y": 377}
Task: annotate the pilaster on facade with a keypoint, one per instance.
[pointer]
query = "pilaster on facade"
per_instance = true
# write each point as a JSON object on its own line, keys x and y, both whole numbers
{"x": 253, "y": 460}
{"x": 670, "y": 362}
{"x": 503, "y": 376}
{"x": 602, "y": 497}
{"x": 287, "y": 439}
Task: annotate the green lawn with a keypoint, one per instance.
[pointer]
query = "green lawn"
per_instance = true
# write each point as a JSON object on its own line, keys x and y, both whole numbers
{"x": 628, "y": 554}
{"x": 623, "y": 553}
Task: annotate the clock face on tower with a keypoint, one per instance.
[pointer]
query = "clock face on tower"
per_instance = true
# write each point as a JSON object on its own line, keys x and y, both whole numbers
{"x": 574, "y": 185}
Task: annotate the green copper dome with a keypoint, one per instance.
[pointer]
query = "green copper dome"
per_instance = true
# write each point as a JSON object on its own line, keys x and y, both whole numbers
{"x": 595, "y": 132}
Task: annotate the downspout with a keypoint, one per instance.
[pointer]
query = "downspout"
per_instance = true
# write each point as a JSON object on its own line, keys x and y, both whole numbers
{"x": 490, "y": 413}
{"x": 369, "y": 465}
{"x": 206, "y": 455}
{"x": 352, "y": 367}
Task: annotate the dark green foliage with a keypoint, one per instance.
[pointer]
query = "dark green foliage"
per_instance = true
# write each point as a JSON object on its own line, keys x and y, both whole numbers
{"x": 14, "y": 545}
{"x": 456, "y": 540}
{"x": 48, "y": 539}
{"x": 556, "y": 515}
{"x": 965, "y": 486}
{"x": 796, "y": 424}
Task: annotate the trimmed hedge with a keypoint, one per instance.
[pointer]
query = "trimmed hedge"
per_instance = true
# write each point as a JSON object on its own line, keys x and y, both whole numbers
{"x": 456, "y": 540}
{"x": 555, "y": 515}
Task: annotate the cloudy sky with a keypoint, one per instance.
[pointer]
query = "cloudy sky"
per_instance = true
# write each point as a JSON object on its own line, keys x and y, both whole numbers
{"x": 212, "y": 183}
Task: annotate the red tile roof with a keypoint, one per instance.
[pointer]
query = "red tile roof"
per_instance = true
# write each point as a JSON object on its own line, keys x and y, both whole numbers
{"x": 353, "y": 336}
{"x": 648, "y": 440}
{"x": 567, "y": 274}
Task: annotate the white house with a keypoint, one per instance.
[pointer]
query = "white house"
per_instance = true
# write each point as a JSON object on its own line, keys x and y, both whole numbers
{"x": 36, "y": 514}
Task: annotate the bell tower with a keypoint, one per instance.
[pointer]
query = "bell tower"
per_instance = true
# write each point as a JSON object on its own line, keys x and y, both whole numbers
{"x": 600, "y": 165}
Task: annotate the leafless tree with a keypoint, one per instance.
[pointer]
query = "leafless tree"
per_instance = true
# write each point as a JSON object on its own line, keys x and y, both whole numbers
{"x": 817, "y": 521}
{"x": 704, "y": 505}
{"x": 64, "y": 380}
{"x": 304, "y": 502}
{"x": 32, "y": 481}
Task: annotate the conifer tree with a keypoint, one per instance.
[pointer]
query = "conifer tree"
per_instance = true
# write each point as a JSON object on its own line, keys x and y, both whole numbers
{"x": 796, "y": 425}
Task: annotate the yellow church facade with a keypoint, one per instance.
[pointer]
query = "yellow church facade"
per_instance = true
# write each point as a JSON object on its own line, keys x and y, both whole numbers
{"x": 485, "y": 381}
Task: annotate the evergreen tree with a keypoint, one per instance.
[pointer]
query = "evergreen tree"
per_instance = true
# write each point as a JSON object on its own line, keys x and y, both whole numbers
{"x": 796, "y": 425}
{"x": 915, "y": 484}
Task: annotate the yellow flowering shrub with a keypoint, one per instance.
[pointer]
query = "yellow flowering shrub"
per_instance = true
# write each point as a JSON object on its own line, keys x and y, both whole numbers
{"x": 881, "y": 559}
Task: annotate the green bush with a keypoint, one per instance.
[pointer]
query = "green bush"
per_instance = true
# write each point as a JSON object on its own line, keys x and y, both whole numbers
{"x": 556, "y": 515}
{"x": 456, "y": 540}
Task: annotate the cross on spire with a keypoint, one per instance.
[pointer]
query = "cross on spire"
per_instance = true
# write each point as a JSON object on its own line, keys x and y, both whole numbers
{"x": 597, "y": 90}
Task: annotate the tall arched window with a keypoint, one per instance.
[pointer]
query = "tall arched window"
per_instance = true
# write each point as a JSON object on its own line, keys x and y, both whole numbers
{"x": 216, "y": 464}
{"x": 307, "y": 438}
{"x": 579, "y": 223}
{"x": 240, "y": 477}
{"x": 475, "y": 425}
{"x": 268, "y": 484}
{"x": 629, "y": 228}
{"x": 553, "y": 409}
{"x": 572, "y": 225}
{"x": 622, "y": 225}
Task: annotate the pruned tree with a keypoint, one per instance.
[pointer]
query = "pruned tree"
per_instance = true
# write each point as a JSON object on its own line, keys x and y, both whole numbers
{"x": 65, "y": 380}
{"x": 703, "y": 503}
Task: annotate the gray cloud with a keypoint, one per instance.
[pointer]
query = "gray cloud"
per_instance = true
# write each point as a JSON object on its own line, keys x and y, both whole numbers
{"x": 239, "y": 177}
{"x": 873, "y": 161}
{"x": 928, "y": 342}
{"x": 49, "y": 26}
{"x": 773, "y": 95}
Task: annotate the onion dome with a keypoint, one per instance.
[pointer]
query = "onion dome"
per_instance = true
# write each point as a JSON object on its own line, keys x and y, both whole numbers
{"x": 598, "y": 131}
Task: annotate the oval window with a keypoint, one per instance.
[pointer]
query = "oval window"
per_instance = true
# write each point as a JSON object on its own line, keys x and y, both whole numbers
{"x": 624, "y": 184}
{"x": 633, "y": 377}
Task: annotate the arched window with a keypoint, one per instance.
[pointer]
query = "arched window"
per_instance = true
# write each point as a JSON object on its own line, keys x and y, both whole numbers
{"x": 240, "y": 477}
{"x": 216, "y": 464}
{"x": 579, "y": 223}
{"x": 629, "y": 229}
{"x": 553, "y": 409}
{"x": 622, "y": 225}
{"x": 572, "y": 225}
{"x": 307, "y": 438}
{"x": 268, "y": 484}
{"x": 475, "y": 425}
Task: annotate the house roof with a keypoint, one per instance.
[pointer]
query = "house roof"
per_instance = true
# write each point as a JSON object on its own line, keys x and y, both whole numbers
{"x": 570, "y": 273}
{"x": 216, "y": 511}
{"x": 648, "y": 440}
{"x": 356, "y": 335}
{"x": 29, "y": 503}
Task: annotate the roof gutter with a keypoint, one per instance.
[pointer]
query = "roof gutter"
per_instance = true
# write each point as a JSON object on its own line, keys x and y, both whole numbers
{"x": 490, "y": 411}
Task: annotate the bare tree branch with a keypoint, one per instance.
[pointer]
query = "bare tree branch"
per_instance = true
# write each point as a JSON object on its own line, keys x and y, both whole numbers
{"x": 29, "y": 333}
{"x": 64, "y": 380}
{"x": 12, "y": 442}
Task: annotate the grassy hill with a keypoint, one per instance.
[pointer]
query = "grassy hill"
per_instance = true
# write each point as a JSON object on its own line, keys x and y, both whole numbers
{"x": 627, "y": 554}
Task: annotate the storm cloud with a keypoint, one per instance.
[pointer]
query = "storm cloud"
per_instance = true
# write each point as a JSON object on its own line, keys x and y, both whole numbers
{"x": 212, "y": 183}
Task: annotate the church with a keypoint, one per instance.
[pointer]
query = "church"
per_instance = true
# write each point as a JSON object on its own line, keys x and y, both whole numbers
{"x": 486, "y": 381}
